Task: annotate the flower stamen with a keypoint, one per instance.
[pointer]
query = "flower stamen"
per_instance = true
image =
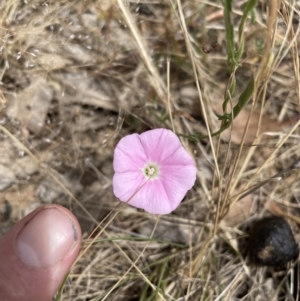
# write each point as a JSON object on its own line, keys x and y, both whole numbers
{"x": 151, "y": 171}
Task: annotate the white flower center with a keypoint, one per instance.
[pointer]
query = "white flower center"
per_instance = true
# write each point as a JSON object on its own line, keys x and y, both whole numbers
{"x": 151, "y": 171}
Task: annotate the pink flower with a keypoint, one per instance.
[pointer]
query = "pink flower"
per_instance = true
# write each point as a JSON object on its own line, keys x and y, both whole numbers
{"x": 152, "y": 171}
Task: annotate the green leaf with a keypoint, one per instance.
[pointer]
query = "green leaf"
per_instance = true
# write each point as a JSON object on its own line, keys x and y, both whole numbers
{"x": 227, "y": 118}
{"x": 232, "y": 87}
{"x": 228, "y": 5}
{"x": 244, "y": 97}
{"x": 229, "y": 35}
{"x": 253, "y": 16}
{"x": 240, "y": 51}
{"x": 250, "y": 5}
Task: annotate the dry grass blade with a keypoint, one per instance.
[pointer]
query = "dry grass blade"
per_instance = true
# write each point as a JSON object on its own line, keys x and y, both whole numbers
{"x": 154, "y": 77}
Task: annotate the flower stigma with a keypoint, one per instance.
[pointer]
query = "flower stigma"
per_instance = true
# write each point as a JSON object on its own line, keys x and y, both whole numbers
{"x": 151, "y": 171}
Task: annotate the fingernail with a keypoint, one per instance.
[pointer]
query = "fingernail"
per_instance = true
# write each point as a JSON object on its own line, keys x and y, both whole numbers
{"x": 47, "y": 238}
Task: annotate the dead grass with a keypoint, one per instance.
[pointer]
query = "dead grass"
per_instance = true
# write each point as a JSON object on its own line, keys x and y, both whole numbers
{"x": 76, "y": 76}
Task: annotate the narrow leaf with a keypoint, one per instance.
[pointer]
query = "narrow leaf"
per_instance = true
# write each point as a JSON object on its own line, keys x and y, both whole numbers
{"x": 244, "y": 97}
{"x": 247, "y": 11}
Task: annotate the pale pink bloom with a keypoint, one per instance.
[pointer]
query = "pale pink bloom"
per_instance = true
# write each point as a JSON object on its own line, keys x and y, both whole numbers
{"x": 152, "y": 171}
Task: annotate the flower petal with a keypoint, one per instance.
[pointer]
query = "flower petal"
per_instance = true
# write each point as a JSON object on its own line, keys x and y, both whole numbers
{"x": 129, "y": 154}
{"x": 177, "y": 180}
{"x": 159, "y": 144}
{"x": 153, "y": 198}
{"x": 179, "y": 157}
{"x": 126, "y": 184}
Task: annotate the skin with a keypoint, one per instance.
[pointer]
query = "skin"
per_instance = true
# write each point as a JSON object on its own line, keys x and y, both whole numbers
{"x": 37, "y": 253}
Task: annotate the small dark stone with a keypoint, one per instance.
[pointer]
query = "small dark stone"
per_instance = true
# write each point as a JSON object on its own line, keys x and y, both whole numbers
{"x": 272, "y": 242}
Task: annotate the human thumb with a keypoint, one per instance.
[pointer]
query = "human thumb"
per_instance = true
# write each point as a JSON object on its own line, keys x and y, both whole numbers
{"x": 37, "y": 253}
